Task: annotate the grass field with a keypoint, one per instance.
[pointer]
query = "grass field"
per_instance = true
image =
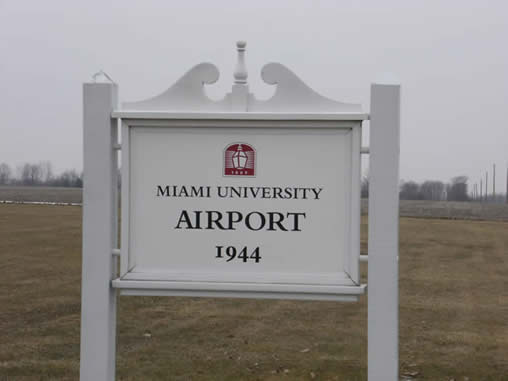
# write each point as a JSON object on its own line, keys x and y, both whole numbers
{"x": 453, "y": 313}
{"x": 44, "y": 194}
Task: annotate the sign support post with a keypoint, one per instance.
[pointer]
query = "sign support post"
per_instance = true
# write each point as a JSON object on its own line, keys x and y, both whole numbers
{"x": 383, "y": 296}
{"x": 98, "y": 298}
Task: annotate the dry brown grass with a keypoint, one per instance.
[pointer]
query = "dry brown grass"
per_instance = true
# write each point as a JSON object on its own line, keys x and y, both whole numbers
{"x": 453, "y": 313}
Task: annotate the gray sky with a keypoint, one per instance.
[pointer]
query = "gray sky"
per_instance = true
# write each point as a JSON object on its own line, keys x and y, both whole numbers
{"x": 450, "y": 57}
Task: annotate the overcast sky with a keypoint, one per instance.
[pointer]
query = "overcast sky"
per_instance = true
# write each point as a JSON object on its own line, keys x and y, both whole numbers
{"x": 450, "y": 57}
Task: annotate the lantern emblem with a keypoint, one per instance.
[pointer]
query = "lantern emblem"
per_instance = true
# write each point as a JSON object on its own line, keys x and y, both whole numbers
{"x": 239, "y": 160}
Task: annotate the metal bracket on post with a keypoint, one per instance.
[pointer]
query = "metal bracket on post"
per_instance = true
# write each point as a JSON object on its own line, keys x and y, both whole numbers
{"x": 383, "y": 301}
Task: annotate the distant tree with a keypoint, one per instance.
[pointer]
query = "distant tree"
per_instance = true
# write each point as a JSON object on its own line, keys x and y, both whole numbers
{"x": 68, "y": 178}
{"x": 432, "y": 190}
{"x": 409, "y": 191}
{"x": 79, "y": 181}
{"x": 365, "y": 187}
{"x": 457, "y": 189}
{"x": 46, "y": 172}
{"x": 31, "y": 174}
{"x": 5, "y": 173}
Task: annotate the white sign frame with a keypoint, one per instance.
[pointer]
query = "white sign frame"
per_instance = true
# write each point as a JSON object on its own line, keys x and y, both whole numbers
{"x": 185, "y": 101}
{"x": 345, "y": 288}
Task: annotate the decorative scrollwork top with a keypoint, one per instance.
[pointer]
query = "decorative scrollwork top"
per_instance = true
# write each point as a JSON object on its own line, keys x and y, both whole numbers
{"x": 291, "y": 94}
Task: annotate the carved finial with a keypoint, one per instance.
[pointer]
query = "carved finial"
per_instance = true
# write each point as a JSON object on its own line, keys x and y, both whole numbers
{"x": 241, "y": 70}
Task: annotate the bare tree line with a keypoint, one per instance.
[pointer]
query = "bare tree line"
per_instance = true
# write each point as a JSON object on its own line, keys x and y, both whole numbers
{"x": 41, "y": 173}
{"x": 434, "y": 190}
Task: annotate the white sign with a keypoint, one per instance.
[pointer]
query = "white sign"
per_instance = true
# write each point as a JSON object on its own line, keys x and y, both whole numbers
{"x": 241, "y": 197}
{"x": 238, "y": 198}
{"x": 251, "y": 205}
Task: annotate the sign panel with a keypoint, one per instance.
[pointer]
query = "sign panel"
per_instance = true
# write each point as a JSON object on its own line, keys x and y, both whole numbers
{"x": 251, "y": 205}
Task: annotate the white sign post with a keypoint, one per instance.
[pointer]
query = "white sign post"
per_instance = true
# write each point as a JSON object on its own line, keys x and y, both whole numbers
{"x": 383, "y": 269}
{"x": 98, "y": 298}
{"x": 237, "y": 198}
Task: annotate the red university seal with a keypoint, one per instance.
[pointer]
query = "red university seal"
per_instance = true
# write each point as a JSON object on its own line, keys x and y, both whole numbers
{"x": 239, "y": 160}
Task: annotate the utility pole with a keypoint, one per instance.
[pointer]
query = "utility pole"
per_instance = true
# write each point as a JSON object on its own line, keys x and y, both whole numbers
{"x": 494, "y": 182}
{"x": 486, "y": 186}
{"x": 481, "y": 190}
